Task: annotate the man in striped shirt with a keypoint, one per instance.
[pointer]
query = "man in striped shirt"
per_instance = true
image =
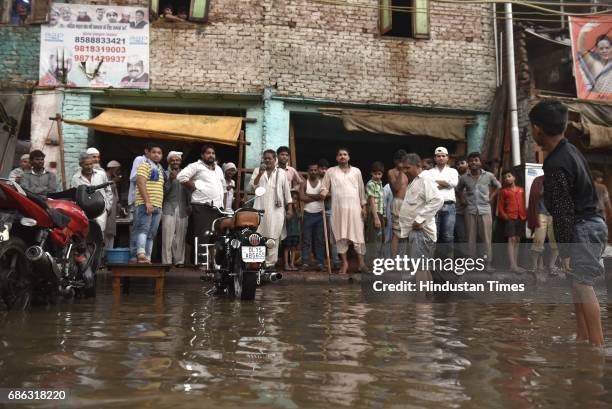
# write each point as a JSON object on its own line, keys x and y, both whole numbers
{"x": 148, "y": 204}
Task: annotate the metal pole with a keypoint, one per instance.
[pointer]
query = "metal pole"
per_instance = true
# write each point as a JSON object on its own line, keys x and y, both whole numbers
{"x": 514, "y": 130}
{"x": 497, "y": 72}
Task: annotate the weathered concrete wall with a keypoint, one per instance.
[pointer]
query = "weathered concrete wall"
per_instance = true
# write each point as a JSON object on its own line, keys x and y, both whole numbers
{"x": 45, "y": 104}
{"x": 19, "y": 51}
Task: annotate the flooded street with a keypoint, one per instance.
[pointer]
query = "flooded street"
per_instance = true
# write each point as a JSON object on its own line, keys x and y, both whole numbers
{"x": 302, "y": 346}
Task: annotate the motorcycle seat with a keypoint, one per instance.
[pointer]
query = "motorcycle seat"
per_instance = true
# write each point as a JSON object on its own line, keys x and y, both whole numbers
{"x": 223, "y": 224}
{"x": 240, "y": 220}
{"x": 246, "y": 219}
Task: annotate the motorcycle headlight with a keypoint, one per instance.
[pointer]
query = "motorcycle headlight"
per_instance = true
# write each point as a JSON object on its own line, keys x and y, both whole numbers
{"x": 235, "y": 243}
{"x": 270, "y": 243}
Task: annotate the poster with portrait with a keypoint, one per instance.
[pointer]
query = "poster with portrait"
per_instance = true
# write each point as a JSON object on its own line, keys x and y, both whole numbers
{"x": 95, "y": 46}
{"x": 592, "y": 54}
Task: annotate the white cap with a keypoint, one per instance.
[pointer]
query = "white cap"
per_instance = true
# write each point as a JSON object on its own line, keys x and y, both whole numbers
{"x": 441, "y": 149}
{"x": 113, "y": 164}
{"x": 174, "y": 153}
{"x": 92, "y": 151}
{"x": 228, "y": 165}
{"x": 25, "y": 156}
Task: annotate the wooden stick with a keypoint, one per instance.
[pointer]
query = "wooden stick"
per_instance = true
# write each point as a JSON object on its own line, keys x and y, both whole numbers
{"x": 328, "y": 258}
{"x": 241, "y": 148}
{"x": 60, "y": 138}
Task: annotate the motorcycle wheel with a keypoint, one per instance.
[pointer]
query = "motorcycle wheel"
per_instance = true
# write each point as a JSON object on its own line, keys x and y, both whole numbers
{"x": 16, "y": 286}
{"x": 243, "y": 285}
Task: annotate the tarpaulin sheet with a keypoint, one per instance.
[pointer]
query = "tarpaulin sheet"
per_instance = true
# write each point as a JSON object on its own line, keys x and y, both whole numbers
{"x": 402, "y": 123}
{"x": 142, "y": 124}
{"x": 595, "y": 123}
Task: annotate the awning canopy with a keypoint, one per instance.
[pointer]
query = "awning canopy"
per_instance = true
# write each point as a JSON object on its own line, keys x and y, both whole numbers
{"x": 141, "y": 124}
{"x": 402, "y": 123}
{"x": 595, "y": 123}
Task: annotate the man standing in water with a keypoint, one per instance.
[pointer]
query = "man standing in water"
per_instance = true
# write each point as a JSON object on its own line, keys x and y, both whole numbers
{"x": 348, "y": 211}
{"x": 571, "y": 198}
{"x": 275, "y": 200}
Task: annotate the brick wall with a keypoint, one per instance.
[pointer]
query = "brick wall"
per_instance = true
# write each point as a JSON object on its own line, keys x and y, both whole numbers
{"x": 314, "y": 50}
{"x": 309, "y": 49}
{"x": 19, "y": 51}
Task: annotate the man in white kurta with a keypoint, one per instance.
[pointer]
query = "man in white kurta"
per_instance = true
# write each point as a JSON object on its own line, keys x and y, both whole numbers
{"x": 274, "y": 202}
{"x": 417, "y": 216}
{"x": 88, "y": 175}
{"x": 345, "y": 184}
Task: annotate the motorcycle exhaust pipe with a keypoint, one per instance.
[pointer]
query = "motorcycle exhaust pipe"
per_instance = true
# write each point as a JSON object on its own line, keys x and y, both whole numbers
{"x": 34, "y": 253}
{"x": 275, "y": 277}
{"x": 271, "y": 277}
{"x": 41, "y": 260}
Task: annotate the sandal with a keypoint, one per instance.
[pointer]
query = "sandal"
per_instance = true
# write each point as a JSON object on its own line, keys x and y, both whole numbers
{"x": 142, "y": 259}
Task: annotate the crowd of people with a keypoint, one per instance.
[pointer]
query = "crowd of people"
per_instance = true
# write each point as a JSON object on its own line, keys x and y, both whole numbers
{"x": 423, "y": 210}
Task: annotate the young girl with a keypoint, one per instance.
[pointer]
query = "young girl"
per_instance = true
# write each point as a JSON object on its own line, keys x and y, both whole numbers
{"x": 292, "y": 241}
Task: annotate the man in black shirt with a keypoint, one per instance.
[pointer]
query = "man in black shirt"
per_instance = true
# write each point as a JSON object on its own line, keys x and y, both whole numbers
{"x": 571, "y": 198}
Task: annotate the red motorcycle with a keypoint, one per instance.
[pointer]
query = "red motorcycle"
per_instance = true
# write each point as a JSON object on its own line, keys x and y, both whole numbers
{"x": 49, "y": 247}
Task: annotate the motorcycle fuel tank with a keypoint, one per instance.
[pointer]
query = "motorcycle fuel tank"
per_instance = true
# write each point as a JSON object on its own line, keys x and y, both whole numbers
{"x": 78, "y": 220}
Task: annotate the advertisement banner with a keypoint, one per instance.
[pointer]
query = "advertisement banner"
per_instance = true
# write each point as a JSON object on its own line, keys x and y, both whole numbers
{"x": 95, "y": 46}
{"x": 592, "y": 53}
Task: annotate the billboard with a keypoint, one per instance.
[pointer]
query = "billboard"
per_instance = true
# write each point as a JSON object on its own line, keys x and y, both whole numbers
{"x": 95, "y": 46}
{"x": 592, "y": 54}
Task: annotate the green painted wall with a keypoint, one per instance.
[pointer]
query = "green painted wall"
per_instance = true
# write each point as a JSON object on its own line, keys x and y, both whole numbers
{"x": 19, "y": 55}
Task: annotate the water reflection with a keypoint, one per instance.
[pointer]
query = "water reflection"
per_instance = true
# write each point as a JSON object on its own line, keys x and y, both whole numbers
{"x": 303, "y": 346}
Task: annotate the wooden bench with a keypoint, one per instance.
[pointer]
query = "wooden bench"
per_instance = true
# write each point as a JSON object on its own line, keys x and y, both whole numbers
{"x": 156, "y": 271}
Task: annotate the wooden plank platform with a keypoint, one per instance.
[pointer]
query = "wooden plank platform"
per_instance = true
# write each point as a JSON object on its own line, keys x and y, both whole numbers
{"x": 156, "y": 271}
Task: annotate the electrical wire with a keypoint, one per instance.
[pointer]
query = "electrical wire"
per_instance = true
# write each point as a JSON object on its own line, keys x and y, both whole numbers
{"x": 485, "y": 13}
{"x": 546, "y": 11}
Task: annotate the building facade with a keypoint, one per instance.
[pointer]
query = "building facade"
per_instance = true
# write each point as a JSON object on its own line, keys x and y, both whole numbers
{"x": 282, "y": 63}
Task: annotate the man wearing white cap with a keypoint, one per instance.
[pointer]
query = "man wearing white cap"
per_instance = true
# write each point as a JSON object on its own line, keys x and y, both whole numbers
{"x": 113, "y": 173}
{"x": 229, "y": 184}
{"x": 24, "y": 166}
{"x": 95, "y": 157}
{"x": 90, "y": 176}
{"x": 175, "y": 213}
{"x": 446, "y": 179}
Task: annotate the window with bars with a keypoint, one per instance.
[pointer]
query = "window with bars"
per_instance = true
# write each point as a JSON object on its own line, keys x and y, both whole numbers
{"x": 404, "y": 18}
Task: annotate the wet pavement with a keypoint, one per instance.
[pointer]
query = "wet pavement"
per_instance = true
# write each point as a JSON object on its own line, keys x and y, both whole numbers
{"x": 315, "y": 346}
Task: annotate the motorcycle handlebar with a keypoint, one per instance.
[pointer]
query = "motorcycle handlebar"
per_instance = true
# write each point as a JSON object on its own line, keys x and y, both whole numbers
{"x": 91, "y": 189}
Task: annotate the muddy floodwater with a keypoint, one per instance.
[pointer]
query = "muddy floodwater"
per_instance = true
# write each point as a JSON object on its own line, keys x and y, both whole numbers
{"x": 302, "y": 346}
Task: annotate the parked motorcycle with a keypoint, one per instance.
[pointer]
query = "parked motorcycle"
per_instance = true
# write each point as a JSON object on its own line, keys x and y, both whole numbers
{"x": 237, "y": 251}
{"x": 49, "y": 246}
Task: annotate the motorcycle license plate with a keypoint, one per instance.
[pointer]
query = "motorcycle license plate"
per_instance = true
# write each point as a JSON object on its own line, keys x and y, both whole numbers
{"x": 256, "y": 254}
{"x": 4, "y": 234}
